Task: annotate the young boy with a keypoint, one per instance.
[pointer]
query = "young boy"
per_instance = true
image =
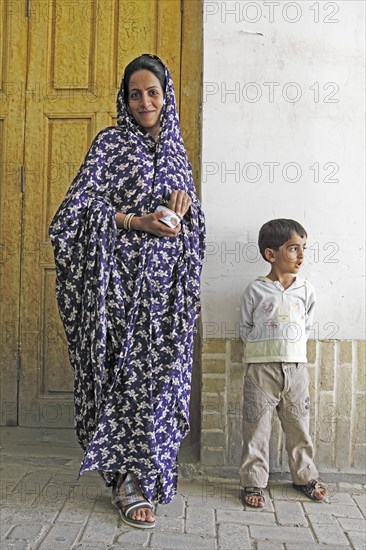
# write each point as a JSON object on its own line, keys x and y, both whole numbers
{"x": 276, "y": 315}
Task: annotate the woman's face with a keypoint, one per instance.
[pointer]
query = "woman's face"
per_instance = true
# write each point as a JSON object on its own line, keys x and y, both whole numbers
{"x": 145, "y": 100}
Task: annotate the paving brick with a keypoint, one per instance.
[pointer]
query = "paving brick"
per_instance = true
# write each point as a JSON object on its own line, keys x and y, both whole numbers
{"x": 290, "y": 513}
{"x": 215, "y": 366}
{"x": 330, "y": 533}
{"x": 11, "y": 495}
{"x": 233, "y": 536}
{"x": 361, "y": 502}
{"x": 315, "y": 546}
{"x": 62, "y": 535}
{"x": 235, "y": 390}
{"x": 170, "y": 524}
{"x": 345, "y": 352}
{"x": 100, "y": 528}
{"x": 321, "y": 518}
{"x": 281, "y": 534}
{"x": 131, "y": 538}
{"x": 214, "y": 345}
{"x": 25, "y": 514}
{"x": 213, "y": 383}
{"x": 286, "y": 492}
{"x": 359, "y": 457}
{"x": 357, "y": 539}
{"x": 200, "y": 521}
{"x": 191, "y": 488}
{"x": 360, "y": 428}
{"x": 12, "y": 472}
{"x": 337, "y": 510}
{"x": 215, "y": 502}
{"x": 246, "y": 518}
{"x": 236, "y": 351}
{"x": 213, "y": 403}
{"x": 174, "y": 509}
{"x": 213, "y": 438}
{"x": 167, "y": 541}
{"x": 348, "y": 524}
{"x": 22, "y": 533}
{"x": 361, "y": 365}
{"x": 103, "y": 505}
{"x": 5, "y": 527}
{"x": 212, "y": 456}
{"x": 269, "y": 545}
{"x": 343, "y": 418}
{"x": 311, "y": 351}
{"x": 35, "y": 482}
{"x": 14, "y": 546}
{"x": 327, "y": 366}
{"x": 234, "y": 427}
{"x": 326, "y": 420}
{"x": 195, "y": 509}
{"x": 339, "y": 497}
{"x": 212, "y": 420}
{"x": 88, "y": 546}
{"x": 77, "y": 511}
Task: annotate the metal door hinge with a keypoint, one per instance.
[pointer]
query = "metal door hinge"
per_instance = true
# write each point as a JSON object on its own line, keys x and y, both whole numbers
{"x": 22, "y": 179}
{"x": 27, "y": 8}
{"x": 181, "y": 6}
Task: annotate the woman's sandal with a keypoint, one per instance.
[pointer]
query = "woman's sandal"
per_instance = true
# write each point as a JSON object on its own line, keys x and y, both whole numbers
{"x": 310, "y": 488}
{"x": 127, "y": 497}
{"x": 254, "y": 492}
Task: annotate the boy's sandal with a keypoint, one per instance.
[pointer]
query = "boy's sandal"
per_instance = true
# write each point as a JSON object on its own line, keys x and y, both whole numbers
{"x": 127, "y": 497}
{"x": 310, "y": 488}
{"x": 254, "y": 492}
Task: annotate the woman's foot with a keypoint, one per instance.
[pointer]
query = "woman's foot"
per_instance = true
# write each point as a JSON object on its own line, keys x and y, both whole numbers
{"x": 134, "y": 508}
{"x": 143, "y": 514}
{"x": 254, "y": 496}
{"x": 315, "y": 489}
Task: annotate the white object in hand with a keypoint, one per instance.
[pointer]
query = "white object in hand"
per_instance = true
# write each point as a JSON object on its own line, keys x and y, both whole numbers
{"x": 171, "y": 219}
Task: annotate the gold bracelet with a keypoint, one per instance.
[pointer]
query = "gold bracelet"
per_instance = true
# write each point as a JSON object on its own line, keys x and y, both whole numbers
{"x": 127, "y": 221}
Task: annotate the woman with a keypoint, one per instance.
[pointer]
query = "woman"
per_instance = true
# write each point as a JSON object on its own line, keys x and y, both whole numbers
{"x": 128, "y": 293}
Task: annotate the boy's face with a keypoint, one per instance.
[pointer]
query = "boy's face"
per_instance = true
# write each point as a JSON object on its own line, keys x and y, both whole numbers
{"x": 290, "y": 256}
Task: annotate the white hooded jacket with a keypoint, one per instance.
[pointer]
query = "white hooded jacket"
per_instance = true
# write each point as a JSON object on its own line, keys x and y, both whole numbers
{"x": 275, "y": 322}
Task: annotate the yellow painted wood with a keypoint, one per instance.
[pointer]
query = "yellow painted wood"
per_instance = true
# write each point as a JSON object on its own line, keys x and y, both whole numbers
{"x": 169, "y": 39}
{"x": 75, "y": 63}
{"x": 13, "y": 29}
{"x": 191, "y": 84}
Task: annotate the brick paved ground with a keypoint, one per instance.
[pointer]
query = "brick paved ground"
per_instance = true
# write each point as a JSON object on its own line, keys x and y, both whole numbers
{"x": 45, "y": 507}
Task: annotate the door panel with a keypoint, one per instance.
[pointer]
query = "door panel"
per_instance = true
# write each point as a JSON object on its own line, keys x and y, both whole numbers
{"x": 75, "y": 63}
{"x": 13, "y": 41}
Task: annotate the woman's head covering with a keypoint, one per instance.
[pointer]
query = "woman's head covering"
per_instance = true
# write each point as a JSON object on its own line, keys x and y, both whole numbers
{"x": 169, "y": 120}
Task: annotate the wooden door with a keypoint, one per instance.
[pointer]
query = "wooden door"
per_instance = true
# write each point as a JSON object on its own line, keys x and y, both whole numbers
{"x": 76, "y": 55}
{"x": 13, "y": 43}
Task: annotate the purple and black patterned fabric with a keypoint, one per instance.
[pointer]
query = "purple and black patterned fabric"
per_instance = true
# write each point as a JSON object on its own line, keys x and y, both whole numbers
{"x": 129, "y": 301}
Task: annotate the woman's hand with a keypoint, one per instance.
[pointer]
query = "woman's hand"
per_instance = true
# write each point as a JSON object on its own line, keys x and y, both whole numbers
{"x": 180, "y": 202}
{"x": 151, "y": 224}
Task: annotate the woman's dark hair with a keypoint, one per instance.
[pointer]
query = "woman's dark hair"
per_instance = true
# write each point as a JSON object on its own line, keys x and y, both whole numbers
{"x": 276, "y": 232}
{"x": 149, "y": 63}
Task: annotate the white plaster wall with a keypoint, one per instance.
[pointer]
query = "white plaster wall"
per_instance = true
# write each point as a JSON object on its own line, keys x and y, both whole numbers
{"x": 260, "y": 122}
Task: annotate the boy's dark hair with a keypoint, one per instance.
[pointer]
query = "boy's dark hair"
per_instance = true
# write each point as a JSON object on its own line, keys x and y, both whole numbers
{"x": 276, "y": 232}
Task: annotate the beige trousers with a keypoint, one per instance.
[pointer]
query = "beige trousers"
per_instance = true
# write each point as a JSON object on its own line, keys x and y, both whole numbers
{"x": 284, "y": 387}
